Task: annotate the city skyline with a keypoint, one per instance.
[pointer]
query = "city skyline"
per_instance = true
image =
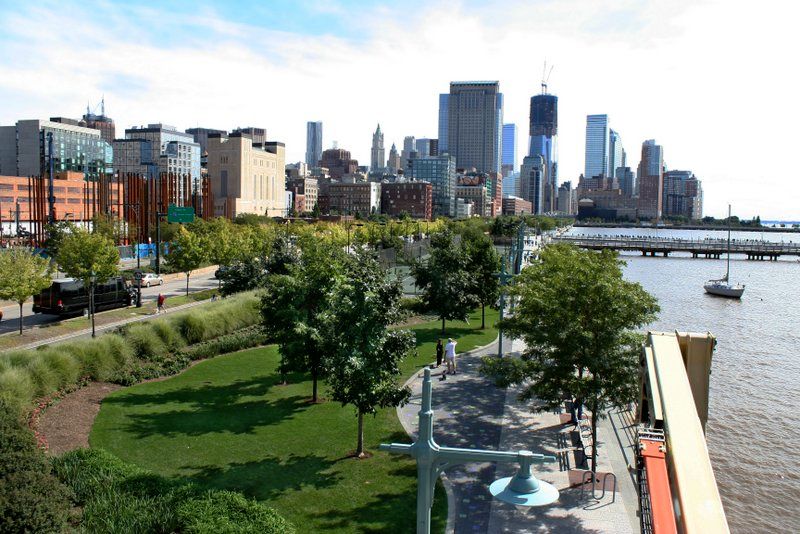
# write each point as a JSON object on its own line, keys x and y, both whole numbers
{"x": 694, "y": 120}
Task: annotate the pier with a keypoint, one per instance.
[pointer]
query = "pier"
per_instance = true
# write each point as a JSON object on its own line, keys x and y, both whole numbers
{"x": 664, "y": 246}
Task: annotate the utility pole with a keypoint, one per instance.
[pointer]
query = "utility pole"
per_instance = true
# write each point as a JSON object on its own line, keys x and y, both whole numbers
{"x": 51, "y": 197}
{"x": 505, "y": 277}
{"x": 159, "y": 214}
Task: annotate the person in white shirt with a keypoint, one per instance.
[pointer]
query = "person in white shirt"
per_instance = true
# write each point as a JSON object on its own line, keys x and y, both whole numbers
{"x": 450, "y": 356}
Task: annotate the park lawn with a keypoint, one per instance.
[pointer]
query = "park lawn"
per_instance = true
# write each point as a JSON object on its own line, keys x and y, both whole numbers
{"x": 228, "y": 423}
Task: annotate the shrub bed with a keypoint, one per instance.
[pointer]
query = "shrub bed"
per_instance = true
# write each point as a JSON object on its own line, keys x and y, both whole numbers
{"x": 119, "y": 497}
{"x": 136, "y": 352}
{"x": 31, "y": 498}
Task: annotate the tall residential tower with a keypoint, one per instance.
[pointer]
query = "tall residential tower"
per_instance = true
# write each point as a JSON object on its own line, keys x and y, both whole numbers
{"x": 313, "y": 143}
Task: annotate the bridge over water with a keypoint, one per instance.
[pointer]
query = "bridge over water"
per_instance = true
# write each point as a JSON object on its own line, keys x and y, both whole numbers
{"x": 664, "y": 246}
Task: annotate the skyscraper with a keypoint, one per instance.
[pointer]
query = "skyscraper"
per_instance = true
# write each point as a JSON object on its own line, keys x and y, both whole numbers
{"x": 509, "y": 162}
{"x": 544, "y": 142}
{"x": 682, "y": 195}
{"x": 409, "y": 151}
{"x": 440, "y": 171}
{"x": 378, "y": 153}
{"x": 313, "y": 143}
{"x": 393, "y": 163}
{"x": 616, "y": 154}
{"x": 100, "y": 122}
{"x": 597, "y": 138}
{"x": 531, "y": 182}
{"x": 444, "y": 99}
{"x": 650, "y": 180}
{"x": 475, "y": 125}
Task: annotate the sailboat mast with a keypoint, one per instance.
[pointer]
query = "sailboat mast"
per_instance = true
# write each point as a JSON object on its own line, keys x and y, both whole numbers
{"x": 728, "y": 272}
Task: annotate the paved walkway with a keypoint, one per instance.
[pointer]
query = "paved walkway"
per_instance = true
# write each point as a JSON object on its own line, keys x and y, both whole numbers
{"x": 470, "y": 411}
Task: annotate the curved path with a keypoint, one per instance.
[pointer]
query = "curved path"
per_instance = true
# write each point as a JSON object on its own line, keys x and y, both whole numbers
{"x": 470, "y": 411}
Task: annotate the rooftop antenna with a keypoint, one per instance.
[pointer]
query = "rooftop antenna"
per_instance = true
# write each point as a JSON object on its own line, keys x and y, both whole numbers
{"x": 103, "y": 106}
{"x": 546, "y": 76}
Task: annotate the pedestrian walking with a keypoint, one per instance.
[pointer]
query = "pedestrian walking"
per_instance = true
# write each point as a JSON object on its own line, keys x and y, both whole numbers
{"x": 450, "y": 355}
{"x": 439, "y": 350}
{"x": 160, "y": 303}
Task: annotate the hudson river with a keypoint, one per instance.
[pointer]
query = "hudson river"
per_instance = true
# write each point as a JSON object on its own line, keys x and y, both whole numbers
{"x": 753, "y": 431}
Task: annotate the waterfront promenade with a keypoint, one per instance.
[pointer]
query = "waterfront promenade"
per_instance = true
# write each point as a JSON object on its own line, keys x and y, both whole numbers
{"x": 753, "y": 249}
{"x": 470, "y": 411}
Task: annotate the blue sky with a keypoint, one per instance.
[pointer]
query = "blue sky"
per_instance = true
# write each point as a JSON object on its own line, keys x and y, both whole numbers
{"x": 709, "y": 79}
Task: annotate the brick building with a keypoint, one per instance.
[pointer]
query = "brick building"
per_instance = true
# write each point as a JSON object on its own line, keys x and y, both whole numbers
{"x": 414, "y": 198}
{"x": 516, "y": 206}
{"x": 305, "y": 193}
{"x": 348, "y": 199}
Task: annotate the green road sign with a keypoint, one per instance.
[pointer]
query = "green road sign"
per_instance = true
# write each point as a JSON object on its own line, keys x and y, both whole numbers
{"x": 180, "y": 214}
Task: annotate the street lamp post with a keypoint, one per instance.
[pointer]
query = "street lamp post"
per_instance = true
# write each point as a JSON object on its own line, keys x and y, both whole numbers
{"x": 93, "y": 281}
{"x": 505, "y": 277}
{"x": 523, "y": 489}
{"x": 159, "y": 214}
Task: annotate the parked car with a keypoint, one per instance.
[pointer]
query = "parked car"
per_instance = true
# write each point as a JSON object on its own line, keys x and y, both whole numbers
{"x": 149, "y": 279}
{"x": 68, "y": 296}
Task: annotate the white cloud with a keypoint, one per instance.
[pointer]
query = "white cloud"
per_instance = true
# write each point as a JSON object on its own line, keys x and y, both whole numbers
{"x": 713, "y": 82}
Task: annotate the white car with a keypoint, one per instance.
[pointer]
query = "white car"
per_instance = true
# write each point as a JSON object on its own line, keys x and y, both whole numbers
{"x": 150, "y": 279}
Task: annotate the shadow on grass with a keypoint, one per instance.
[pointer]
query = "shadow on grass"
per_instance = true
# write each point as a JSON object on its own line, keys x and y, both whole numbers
{"x": 208, "y": 408}
{"x": 269, "y": 478}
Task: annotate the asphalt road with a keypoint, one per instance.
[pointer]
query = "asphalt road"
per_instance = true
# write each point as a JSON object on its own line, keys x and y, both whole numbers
{"x": 10, "y": 321}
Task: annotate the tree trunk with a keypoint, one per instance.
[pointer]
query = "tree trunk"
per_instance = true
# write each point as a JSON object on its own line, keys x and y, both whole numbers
{"x": 360, "y": 446}
{"x": 483, "y": 315}
{"x": 187, "y": 283}
{"x": 594, "y": 438}
{"x": 442, "y": 325}
{"x": 20, "y": 317}
{"x": 314, "y": 398}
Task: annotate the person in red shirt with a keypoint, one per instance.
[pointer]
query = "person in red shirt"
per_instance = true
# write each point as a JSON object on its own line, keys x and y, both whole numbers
{"x": 160, "y": 303}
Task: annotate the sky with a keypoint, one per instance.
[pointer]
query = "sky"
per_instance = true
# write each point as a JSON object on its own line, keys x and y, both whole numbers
{"x": 715, "y": 82}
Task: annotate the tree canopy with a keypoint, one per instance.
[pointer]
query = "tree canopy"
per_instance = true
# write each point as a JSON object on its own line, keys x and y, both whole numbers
{"x": 22, "y": 275}
{"x": 483, "y": 263}
{"x": 366, "y": 354}
{"x": 187, "y": 252}
{"x": 576, "y": 315}
{"x": 82, "y": 255}
{"x": 446, "y": 283}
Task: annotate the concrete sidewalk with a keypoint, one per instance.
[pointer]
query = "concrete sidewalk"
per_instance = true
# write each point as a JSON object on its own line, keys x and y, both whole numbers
{"x": 470, "y": 411}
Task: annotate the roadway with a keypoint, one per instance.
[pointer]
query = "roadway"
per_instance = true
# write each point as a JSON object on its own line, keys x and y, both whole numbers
{"x": 175, "y": 288}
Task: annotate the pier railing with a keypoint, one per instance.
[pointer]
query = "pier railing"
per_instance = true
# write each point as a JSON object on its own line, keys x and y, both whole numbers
{"x": 753, "y": 249}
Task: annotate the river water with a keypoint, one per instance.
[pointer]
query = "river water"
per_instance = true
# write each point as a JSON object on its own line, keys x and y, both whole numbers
{"x": 753, "y": 430}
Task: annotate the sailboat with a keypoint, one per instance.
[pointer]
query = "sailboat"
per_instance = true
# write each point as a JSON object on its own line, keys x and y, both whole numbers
{"x": 723, "y": 286}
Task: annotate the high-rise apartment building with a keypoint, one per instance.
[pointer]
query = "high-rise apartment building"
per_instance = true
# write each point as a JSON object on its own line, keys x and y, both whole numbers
{"x": 440, "y": 171}
{"x": 246, "y": 177}
{"x": 532, "y": 182}
{"x": 683, "y": 195}
{"x": 313, "y": 143}
{"x": 200, "y": 136}
{"x": 626, "y": 178}
{"x": 378, "y": 152}
{"x": 24, "y": 149}
{"x": 650, "y": 180}
{"x": 409, "y": 151}
{"x": 509, "y": 162}
{"x": 511, "y": 185}
{"x": 567, "y": 199}
{"x": 543, "y": 141}
{"x": 475, "y": 125}
{"x": 616, "y": 154}
{"x": 444, "y": 100}
{"x": 597, "y": 138}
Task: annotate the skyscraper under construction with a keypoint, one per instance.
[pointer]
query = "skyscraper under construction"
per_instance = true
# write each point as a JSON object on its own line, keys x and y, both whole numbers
{"x": 544, "y": 142}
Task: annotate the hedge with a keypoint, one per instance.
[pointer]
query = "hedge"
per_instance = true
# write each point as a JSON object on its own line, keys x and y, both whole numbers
{"x": 137, "y": 351}
{"x": 119, "y": 497}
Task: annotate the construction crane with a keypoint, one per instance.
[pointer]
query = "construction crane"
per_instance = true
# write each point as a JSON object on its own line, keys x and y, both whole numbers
{"x": 546, "y": 76}
{"x": 102, "y": 105}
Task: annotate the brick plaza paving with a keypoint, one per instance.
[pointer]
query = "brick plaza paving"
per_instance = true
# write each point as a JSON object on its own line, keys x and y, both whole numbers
{"x": 470, "y": 411}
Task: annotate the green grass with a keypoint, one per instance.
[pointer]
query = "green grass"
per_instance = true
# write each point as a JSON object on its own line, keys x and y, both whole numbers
{"x": 227, "y": 423}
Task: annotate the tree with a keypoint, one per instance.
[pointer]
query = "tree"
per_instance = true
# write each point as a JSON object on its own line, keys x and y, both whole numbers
{"x": 83, "y": 255}
{"x": 22, "y": 275}
{"x": 445, "y": 281}
{"x": 483, "y": 263}
{"x": 366, "y": 353}
{"x": 576, "y": 314}
{"x": 294, "y": 307}
{"x": 187, "y": 252}
{"x": 56, "y": 233}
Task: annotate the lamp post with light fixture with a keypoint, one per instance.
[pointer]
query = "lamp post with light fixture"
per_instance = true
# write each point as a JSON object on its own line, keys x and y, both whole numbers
{"x": 523, "y": 489}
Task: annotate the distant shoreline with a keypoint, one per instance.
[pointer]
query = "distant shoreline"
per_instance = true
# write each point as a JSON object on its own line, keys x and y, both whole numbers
{"x": 579, "y": 224}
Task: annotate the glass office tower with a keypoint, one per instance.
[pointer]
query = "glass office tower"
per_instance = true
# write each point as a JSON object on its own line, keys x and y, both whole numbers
{"x": 597, "y": 138}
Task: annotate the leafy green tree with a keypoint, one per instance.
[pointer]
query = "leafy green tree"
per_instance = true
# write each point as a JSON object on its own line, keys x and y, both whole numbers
{"x": 22, "y": 275}
{"x": 107, "y": 225}
{"x": 446, "y": 283}
{"x": 483, "y": 263}
{"x": 295, "y": 305}
{"x": 83, "y": 255}
{"x": 56, "y": 233}
{"x": 187, "y": 252}
{"x": 366, "y": 353}
{"x": 576, "y": 315}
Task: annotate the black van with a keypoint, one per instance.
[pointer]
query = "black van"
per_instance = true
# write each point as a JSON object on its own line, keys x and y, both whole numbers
{"x": 67, "y": 296}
